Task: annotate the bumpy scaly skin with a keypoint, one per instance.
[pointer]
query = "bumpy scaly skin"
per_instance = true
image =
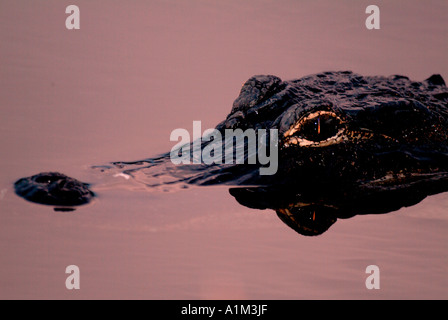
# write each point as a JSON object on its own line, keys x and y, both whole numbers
{"x": 269, "y": 102}
{"x": 385, "y": 133}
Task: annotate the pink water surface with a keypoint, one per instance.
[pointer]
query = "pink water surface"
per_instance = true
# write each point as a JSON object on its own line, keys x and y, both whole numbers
{"x": 136, "y": 70}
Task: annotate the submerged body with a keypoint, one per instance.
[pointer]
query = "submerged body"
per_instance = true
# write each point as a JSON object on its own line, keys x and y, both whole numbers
{"x": 341, "y": 136}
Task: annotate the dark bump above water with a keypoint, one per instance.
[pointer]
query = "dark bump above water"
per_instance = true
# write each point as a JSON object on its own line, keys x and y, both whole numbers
{"x": 53, "y": 188}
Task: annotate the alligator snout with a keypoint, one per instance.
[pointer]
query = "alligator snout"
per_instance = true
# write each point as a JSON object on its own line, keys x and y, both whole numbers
{"x": 54, "y": 188}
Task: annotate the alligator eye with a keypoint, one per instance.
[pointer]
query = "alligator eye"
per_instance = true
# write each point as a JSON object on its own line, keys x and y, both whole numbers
{"x": 320, "y": 128}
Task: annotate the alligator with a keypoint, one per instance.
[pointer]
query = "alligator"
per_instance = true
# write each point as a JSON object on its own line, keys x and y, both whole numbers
{"x": 347, "y": 144}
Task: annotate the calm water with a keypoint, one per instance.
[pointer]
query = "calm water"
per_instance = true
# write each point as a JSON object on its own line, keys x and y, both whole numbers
{"x": 116, "y": 88}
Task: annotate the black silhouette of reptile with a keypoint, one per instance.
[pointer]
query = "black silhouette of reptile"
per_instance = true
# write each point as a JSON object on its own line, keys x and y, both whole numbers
{"x": 348, "y": 144}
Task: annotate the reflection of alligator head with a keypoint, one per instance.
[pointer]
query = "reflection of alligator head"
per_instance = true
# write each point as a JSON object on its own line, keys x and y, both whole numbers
{"x": 341, "y": 136}
{"x": 312, "y": 213}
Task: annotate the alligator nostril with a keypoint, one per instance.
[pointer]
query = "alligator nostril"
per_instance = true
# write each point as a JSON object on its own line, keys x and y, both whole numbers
{"x": 53, "y": 188}
{"x": 46, "y": 179}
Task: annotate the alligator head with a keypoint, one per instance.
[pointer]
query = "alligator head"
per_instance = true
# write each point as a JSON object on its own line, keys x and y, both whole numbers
{"x": 339, "y": 127}
{"x": 347, "y": 144}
